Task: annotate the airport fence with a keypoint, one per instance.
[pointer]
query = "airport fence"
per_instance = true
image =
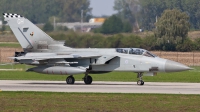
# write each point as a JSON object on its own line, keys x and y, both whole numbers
{"x": 5, "y": 53}
{"x": 187, "y": 58}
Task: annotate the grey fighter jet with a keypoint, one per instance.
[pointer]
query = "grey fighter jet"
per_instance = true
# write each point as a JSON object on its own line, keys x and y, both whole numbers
{"x": 52, "y": 57}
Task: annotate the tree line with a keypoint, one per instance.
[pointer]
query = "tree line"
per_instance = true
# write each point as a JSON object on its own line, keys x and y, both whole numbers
{"x": 172, "y": 30}
{"x": 143, "y": 13}
{"x": 170, "y": 27}
{"x": 170, "y": 34}
{"x": 114, "y": 25}
{"x": 97, "y": 40}
{"x": 39, "y": 11}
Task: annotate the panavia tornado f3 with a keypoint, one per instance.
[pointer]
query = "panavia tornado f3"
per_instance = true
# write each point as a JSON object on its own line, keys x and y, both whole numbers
{"x": 52, "y": 57}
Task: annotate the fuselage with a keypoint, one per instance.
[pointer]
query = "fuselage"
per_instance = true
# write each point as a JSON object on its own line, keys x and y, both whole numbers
{"x": 118, "y": 59}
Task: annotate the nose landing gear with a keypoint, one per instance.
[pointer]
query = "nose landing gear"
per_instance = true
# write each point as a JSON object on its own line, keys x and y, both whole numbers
{"x": 140, "y": 81}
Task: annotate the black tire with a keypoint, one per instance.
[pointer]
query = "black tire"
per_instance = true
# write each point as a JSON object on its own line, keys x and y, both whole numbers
{"x": 140, "y": 82}
{"x": 70, "y": 80}
{"x": 88, "y": 80}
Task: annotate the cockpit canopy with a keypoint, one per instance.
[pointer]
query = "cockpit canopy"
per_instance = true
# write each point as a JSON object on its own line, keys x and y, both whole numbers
{"x": 135, "y": 51}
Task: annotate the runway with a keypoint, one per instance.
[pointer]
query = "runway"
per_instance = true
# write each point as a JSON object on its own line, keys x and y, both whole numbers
{"x": 101, "y": 87}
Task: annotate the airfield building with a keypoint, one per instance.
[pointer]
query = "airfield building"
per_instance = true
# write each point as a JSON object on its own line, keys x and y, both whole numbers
{"x": 86, "y": 26}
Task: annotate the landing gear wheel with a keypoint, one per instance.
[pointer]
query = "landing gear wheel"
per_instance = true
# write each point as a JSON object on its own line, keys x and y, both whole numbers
{"x": 88, "y": 79}
{"x": 140, "y": 82}
{"x": 70, "y": 80}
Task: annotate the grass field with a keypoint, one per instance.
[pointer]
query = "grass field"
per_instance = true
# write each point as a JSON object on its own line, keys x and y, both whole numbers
{"x": 10, "y": 45}
{"x": 96, "y": 102}
{"x": 187, "y": 76}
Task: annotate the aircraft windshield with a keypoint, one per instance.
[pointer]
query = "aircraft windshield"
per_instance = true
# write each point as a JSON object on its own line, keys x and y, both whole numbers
{"x": 148, "y": 54}
{"x": 135, "y": 51}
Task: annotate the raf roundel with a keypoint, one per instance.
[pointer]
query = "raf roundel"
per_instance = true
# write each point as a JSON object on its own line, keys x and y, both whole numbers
{"x": 20, "y": 21}
{"x": 126, "y": 61}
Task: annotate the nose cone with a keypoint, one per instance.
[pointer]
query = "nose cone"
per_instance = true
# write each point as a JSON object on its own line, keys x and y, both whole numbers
{"x": 172, "y": 66}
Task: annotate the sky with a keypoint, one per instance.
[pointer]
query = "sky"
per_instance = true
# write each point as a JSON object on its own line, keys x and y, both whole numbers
{"x": 102, "y": 7}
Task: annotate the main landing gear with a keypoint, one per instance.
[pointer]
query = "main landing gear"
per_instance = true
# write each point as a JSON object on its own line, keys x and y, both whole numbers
{"x": 140, "y": 81}
{"x": 70, "y": 80}
{"x": 87, "y": 79}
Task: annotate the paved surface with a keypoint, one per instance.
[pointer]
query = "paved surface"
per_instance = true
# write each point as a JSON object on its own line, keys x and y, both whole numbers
{"x": 101, "y": 87}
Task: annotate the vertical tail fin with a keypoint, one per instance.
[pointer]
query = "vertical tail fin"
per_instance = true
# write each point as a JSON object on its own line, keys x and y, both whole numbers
{"x": 29, "y": 35}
